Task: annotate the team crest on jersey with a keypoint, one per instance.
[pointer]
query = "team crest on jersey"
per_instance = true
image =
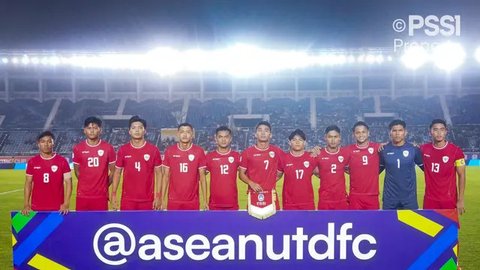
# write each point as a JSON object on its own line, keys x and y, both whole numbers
{"x": 191, "y": 157}
{"x": 370, "y": 150}
{"x": 340, "y": 158}
{"x": 271, "y": 154}
{"x": 231, "y": 159}
{"x": 54, "y": 168}
{"x": 100, "y": 152}
{"x": 146, "y": 157}
{"x": 405, "y": 153}
{"x": 445, "y": 159}
{"x": 306, "y": 164}
{"x": 261, "y": 197}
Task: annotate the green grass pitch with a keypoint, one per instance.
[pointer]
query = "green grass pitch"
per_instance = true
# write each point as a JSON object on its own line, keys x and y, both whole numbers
{"x": 11, "y": 198}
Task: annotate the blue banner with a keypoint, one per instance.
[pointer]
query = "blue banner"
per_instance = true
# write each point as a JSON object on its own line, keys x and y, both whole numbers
{"x": 234, "y": 240}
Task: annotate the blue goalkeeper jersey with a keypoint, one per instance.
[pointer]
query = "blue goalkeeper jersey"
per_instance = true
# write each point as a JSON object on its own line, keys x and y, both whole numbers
{"x": 400, "y": 183}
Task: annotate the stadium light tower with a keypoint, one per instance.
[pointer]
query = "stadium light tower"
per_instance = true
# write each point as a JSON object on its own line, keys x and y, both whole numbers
{"x": 414, "y": 57}
{"x": 448, "y": 56}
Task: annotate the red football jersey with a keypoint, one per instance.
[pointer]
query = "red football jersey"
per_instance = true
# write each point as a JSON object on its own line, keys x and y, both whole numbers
{"x": 297, "y": 179}
{"x": 261, "y": 165}
{"x": 93, "y": 161}
{"x": 223, "y": 178}
{"x": 364, "y": 167}
{"x": 184, "y": 172}
{"x": 440, "y": 171}
{"x": 331, "y": 168}
{"x": 48, "y": 174}
{"x": 138, "y": 164}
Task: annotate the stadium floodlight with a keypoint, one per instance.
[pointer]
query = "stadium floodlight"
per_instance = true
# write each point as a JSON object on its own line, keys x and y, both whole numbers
{"x": 165, "y": 61}
{"x": 414, "y": 57}
{"x": 5, "y": 60}
{"x": 477, "y": 54}
{"x": 448, "y": 56}
{"x": 15, "y": 60}
{"x": 35, "y": 60}
{"x": 25, "y": 60}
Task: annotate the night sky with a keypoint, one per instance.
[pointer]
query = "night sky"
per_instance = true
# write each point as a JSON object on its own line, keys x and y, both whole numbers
{"x": 143, "y": 25}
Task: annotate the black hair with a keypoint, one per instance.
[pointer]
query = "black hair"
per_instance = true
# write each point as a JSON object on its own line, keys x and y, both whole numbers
{"x": 438, "y": 121}
{"x": 359, "y": 124}
{"x": 45, "y": 134}
{"x": 297, "y": 132}
{"x": 263, "y": 123}
{"x": 185, "y": 125}
{"x": 92, "y": 120}
{"x": 223, "y": 128}
{"x": 397, "y": 122}
{"x": 137, "y": 118}
{"x": 332, "y": 127}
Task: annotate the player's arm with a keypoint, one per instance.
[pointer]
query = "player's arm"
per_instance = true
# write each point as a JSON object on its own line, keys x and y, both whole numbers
{"x": 203, "y": 188}
{"x": 157, "y": 204}
{"x": 418, "y": 158}
{"x": 76, "y": 170}
{"x": 116, "y": 181}
{"x": 27, "y": 193}
{"x": 164, "y": 187}
{"x": 243, "y": 176}
{"x": 461, "y": 178}
{"x": 111, "y": 172}
{"x": 67, "y": 180}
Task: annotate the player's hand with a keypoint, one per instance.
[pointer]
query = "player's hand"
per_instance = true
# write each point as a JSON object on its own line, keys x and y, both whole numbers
{"x": 157, "y": 204}
{"x": 256, "y": 187}
{"x": 315, "y": 151}
{"x": 64, "y": 208}
{"x": 382, "y": 145}
{"x": 26, "y": 210}
{"x": 461, "y": 207}
{"x": 113, "y": 202}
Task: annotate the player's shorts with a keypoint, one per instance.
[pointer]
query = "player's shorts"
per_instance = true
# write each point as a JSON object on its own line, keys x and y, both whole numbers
{"x": 92, "y": 204}
{"x": 333, "y": 205}
{"x": 183, "y": 205}
{"x": 411, "y": 204}
{"x": 363, "y": 202}
{"x": 300, "y": 206}
{"x": 434, "y": 204}
{"x": 212, "y": 206}
{"x": 133, "y": 205}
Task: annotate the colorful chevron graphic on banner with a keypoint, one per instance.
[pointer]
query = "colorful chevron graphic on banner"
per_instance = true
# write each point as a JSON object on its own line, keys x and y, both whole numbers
{"x": 26, "y": 250}
{"x": 446, "y": 237}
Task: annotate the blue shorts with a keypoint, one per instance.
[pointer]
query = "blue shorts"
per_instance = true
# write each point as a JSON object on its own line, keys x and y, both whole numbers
{"x": 411, "y": 204}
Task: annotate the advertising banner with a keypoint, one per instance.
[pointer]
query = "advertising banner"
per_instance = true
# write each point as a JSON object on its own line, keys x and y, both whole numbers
{"x": 401, "y": 239}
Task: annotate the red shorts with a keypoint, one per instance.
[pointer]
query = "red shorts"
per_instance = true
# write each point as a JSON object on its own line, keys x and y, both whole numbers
{"x": 220, "y": 207}
{"x": 363, "y": 202}
{"x": 303, "y": 206}
{"x": 92, "y": 204}
{"x": 181, "y": 205}
{"x": 133, "y": 205}
{"x": 434, "y": 204}
{"x": 333, "y": 205}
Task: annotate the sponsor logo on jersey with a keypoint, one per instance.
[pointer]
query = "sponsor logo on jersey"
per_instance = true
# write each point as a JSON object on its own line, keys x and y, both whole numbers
{"x": 85, "y": 152}
{"x": 356, "y": 151}
{"x": 128, "y": 156}
{"x": 340, "y": 158}
{"x": 271, "y": 154}
{"x": 215, "y": 159}
{"x": 370, "y": 150}
{"x": 445, "y": 159}
{"x": 191, "y": 157}
{"x": 231, "y": 159}
{"x": 100, "y": 152}
{"x": 176, "y": 155}
{"x": 37, "y": 167}
{"x": 146, "y": 157}
{"x": 390, "y": 153}
{"x": 306, "y": 164}
{"x": 261, "y": 197}
{"x": 54, "y": 168}
{"x": 405, "y": 153}
{"x": 426, "y": 155}
{"x": 325, "y": 158}
{"x": 289, "y": 164}
{"x": 257, "y": 155}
